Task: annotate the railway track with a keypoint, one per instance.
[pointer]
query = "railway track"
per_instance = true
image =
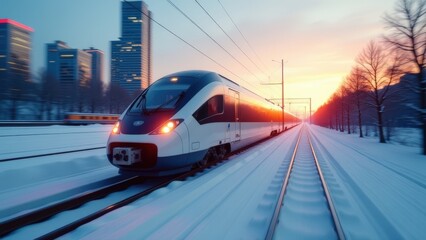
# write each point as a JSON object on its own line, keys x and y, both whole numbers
{"x": 49, "y": 154}
{"x": 304, "y": 208}
{"x": 48, "y": 134}
{"x": 74, "y": 225}
{"x": 46, "y": 214}
{"x": 43, "y": 214}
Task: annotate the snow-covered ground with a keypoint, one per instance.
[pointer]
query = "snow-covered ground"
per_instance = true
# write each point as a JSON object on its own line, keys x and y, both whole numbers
{"x": 399, "y": 136}
{"x": 27, "y": 141}
{"x": 379, "y": 191}
{"x": 30, "y": 183}
{"x": 384, "y": 185}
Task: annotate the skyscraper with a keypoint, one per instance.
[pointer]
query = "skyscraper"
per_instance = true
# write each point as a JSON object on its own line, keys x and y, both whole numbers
{"x": 67, "y": 65}
{"x": 72, "y": 68}
{"x": 131, "y": 55}
{"x": 97, "y": 64}
{"x": 15, "y": 49}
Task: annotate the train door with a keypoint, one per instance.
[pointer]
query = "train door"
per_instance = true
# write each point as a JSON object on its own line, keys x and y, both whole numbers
{"x": 235, "y": 127}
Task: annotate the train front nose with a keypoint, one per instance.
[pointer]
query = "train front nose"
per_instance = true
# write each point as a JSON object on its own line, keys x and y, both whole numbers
{"x": 158, "y": 149}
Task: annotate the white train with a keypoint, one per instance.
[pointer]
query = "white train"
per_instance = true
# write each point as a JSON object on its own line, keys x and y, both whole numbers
{"x": 188, "y": 118}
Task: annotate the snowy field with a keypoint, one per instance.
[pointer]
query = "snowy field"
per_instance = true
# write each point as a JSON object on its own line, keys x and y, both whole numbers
{"x": 27, "y": 141}
{"x": 399, "y": 136}
{"x": 30, "y": 183}
{"x": 379, "y": 189}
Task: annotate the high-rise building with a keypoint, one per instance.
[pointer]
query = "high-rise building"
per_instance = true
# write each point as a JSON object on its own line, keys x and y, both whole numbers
{"x": 131, "y": 55}
{"x": 97, "y": 64}
{"x": 67, "y": 65}
{"x": 15, "y": 50}
{"x": 72, "y": 68}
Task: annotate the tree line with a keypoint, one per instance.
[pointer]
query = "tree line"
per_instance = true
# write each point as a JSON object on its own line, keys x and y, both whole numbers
{"x": 45, "y": 98}
{"x": 386, "y": 87}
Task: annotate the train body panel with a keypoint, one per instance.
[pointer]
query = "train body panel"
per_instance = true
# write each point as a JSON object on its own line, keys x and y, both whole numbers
{"x": 184, "y": 117}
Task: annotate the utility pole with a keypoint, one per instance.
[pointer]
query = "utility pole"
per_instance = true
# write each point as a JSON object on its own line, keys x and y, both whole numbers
{"x": 298, "y": 101}
{"x": 282, "y": 91}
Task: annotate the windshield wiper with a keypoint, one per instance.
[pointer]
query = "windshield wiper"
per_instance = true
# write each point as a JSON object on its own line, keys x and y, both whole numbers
{"x": 141, "y": 103}
{"x": 177, "y": 98}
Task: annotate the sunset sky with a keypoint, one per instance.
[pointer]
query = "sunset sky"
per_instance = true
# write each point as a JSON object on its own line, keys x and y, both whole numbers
{"x": 318, "y": 39}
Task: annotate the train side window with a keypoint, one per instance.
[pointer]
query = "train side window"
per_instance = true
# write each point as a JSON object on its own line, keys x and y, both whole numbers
{"x": 212, "y": 107}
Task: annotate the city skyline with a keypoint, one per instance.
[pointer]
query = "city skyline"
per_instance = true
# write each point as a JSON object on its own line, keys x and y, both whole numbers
{"x": 318, "y": 41}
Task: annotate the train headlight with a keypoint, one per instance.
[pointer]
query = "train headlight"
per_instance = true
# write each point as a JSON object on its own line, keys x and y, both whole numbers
{"x": 168, "y": 126}
{"x": 116, "y": 128}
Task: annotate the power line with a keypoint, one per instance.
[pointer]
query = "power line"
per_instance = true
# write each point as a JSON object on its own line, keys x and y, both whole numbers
{"x": 180, "y": 38}
{"x": 216, "y": 42}
{"x": 208, "y": 35}
{"x": 245, "y": 39}
{"x": 211, "y": 17}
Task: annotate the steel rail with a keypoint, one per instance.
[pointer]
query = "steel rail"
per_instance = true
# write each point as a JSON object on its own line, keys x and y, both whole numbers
{"x": 274, "y": 220}
{"x": 74, "y": 225}
{"x": 336, "y": 221}
{"x": 49, "y": 154}
{"x": 48, "y": 134}
{"x": 20, "y": 221}
{"x": 337, "y": 226}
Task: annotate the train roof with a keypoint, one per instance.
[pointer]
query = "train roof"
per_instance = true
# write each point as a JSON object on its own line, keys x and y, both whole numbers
{"x": 190, "y": 73}
{"x": 202, "y": 74}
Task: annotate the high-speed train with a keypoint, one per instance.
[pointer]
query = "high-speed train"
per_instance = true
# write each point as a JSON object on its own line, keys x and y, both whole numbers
{"x": 188, "y": 118}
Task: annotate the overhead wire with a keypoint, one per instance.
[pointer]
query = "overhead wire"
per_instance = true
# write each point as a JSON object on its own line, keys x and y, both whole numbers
{"x": 244, "y": 37}
{"x": 207, "y": 34}
{"x": 230, "y": 38}
{"x": 215, "y": 41}
{"x": 192, "y": 46}
{"x": 183, "y": 40}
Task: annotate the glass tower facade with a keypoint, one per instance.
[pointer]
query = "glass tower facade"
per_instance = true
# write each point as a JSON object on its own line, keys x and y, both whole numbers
{"x": 131, "y": 55}
{"x": 68, "y": 65}
{"x": 97, "y": 64}
{"x": 72, "y": 68}
{"x": 15, "y": 50}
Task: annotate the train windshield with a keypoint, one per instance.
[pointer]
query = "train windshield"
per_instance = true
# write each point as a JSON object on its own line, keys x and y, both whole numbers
{"x": 160, "y": 97}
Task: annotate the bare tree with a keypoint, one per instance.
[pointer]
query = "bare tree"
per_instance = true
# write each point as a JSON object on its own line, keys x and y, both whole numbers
{"x": 342, "y": 98}
{"x": 406, "y": 27}
{"x": 379, "y": 73}
{"x": 347, "y": 102}
{"x": 356, "y": 85}
{"x": 19, "y": 86}
{"x": 48, "y": 94}
{"x": 118, "y": 98}
{"x": 4, "y": 95}
{"x": 96, "y": 95}
{"x": 336, "y": 110}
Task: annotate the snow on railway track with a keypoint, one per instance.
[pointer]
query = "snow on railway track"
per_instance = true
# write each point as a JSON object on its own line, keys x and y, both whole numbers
{"x": 26, "y": 142}
{"x": 367, "y": 181}
{"x": 305, "y": 209}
